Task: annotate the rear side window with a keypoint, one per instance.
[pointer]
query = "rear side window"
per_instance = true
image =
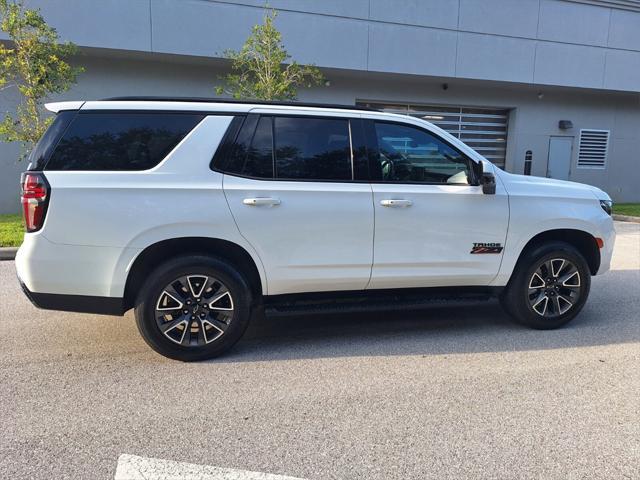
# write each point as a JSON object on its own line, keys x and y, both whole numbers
{"x": 258, "y": 159}
{"x": 312, "y": 149}
{"x": 45, "y": 146}
{"x": 294, "y": 148}
{"x": 120, "y": 141}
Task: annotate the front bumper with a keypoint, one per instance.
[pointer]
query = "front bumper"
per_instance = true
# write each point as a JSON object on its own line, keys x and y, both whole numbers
{"x": 608, "y": 235}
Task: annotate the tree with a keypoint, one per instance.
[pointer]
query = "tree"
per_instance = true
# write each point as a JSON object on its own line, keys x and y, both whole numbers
{"x": 35, "y": 63}
{"x": 262, "y": 69}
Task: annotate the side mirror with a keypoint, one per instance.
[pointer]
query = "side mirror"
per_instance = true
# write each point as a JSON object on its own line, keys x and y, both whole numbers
{"x": 488, "y": 182}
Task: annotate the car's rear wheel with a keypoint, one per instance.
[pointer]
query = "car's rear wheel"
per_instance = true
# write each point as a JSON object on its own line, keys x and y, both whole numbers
{"x": 193, "y": 308}
{"x": 549, "y": 286}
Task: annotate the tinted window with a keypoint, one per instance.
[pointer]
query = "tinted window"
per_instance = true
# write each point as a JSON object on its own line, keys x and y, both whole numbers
{"x": 120, "y": 141}
{"x": 312, "y": 148}
{"x": 260, "y": 157}
{"x": 257, "y": 160}
{"x": 47, "y": 143}
{"x": 412, "y": 155}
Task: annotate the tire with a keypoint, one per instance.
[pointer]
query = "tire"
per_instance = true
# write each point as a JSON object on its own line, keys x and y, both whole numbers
{"x": 566, "y": 289}
{"x": 215, "y": 308}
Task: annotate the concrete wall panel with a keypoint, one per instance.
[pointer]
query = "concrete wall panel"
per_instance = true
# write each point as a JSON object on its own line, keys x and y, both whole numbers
{"x": 495, "y": 58}
{"x": 570, "y": 65}
{"x": 214, "y": 28}
{"x": 503, "y": 17}
{"x": 624, "y": 30}
{"x": 195, "y": 27}
{"x": 341, "y": 8}
{"x": 573, "y": 22}
{"x": 104, "y": 24}
{"x": 424, "y": 51}
{"x": 433, "y": 13}
{"x": 325, "y": 41}
{"x": 623, "y": 70}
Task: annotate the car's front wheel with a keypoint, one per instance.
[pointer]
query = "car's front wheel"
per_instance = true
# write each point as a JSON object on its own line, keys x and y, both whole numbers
{"x": 549, "y": 286}
{"x": 193, "y": 308}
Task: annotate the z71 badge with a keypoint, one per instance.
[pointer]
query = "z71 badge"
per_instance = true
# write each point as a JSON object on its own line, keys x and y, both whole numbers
{"x": 486, "y": 248}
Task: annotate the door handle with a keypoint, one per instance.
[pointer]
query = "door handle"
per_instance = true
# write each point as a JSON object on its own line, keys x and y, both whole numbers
{"x": 396, "y": 203}
{"x": 255, "y": 202}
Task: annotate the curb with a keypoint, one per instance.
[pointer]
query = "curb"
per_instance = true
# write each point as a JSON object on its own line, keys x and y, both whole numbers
{"x": 8, "y": 253}
{"x": 626, "y": 218}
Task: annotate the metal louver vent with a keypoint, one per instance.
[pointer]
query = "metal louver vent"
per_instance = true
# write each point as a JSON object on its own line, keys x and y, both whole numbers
{"x": 483, "y": 129}
{"x": 593, "y": 148}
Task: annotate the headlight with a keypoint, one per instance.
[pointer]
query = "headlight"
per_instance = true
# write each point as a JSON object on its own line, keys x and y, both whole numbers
{"x": 607, "y": 206}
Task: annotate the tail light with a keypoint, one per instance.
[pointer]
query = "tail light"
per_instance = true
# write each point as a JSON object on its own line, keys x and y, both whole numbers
{"x": 35, "y": 199}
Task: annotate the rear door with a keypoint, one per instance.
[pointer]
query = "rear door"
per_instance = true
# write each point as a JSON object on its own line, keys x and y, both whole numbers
{"x": 291, "y": 189}
{"x": 433, "y": 224}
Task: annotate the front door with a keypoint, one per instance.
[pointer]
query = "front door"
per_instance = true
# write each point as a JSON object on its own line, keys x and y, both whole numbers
{"x": 294, "y": 200}
{"x": 433, "y": 227}
{"x": 559, "y": 165}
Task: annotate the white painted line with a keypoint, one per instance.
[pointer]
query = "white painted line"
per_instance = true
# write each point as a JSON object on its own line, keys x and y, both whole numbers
{"x": 132, "y": 467}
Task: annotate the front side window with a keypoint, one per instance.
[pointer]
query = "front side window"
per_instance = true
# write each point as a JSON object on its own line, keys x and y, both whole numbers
{"x": 409, "y": 154}
{"x": 312, "y": 149}
{"x": 120, "y": 140}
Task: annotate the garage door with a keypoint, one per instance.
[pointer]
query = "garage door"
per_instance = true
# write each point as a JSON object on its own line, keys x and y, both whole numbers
{"x": 483, "y": 129}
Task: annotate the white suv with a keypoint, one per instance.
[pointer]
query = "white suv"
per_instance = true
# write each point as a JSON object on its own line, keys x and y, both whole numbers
{"x": 202, "y": 213}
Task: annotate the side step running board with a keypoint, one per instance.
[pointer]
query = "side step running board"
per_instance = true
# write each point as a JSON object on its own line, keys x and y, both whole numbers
{"x": 372, "y": 301}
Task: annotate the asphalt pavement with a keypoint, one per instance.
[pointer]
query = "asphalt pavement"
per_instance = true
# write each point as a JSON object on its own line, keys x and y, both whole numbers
{"x": 455, "y": 392}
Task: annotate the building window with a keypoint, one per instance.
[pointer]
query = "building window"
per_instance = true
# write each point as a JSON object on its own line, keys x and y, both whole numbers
{"x": 483, "y": 129}
{"x": 593, "y": 148}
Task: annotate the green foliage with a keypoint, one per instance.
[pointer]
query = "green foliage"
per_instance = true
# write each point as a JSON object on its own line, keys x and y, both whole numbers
{"x": 262, "y": 68}
{"x": 35, "y": 63}
{"x": 631, "y": 209}
{"x": 11, "y": 230}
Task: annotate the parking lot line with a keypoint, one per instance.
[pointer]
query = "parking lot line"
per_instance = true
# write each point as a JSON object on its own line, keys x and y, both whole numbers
{"x": 133, "y": 467}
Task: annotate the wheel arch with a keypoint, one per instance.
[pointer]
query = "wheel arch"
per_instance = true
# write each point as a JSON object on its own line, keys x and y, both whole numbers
{"x": 156, "y": 253}
{"x": 583, "y": 241}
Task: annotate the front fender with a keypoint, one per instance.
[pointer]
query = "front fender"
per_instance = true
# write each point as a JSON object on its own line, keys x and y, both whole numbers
{"x": 527, "y": 221}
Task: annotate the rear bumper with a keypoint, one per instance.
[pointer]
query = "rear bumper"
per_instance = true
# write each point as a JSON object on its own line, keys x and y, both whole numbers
{"x": 63, "y": 269}
{"x": 75, "y": 303}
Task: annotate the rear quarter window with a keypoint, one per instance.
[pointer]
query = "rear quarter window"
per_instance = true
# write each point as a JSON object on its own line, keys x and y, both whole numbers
{"x": 46, "y": 145}
{"x": 120, "y": 141}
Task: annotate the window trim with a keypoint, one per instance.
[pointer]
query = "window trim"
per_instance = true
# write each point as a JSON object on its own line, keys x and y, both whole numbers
{"x": 375, "y": 152}
{"x": 225, "y": 162}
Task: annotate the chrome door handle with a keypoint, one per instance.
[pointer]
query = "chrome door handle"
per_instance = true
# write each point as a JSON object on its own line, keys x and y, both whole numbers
{"x": 255, "y": 202}
{"x": 396, "y": 203}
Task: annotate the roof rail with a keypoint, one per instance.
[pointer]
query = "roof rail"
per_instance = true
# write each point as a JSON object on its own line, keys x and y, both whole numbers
{"x": 228, "y": 100}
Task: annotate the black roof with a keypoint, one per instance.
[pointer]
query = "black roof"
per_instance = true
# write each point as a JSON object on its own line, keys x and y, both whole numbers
{"x": 233, "y": 101}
